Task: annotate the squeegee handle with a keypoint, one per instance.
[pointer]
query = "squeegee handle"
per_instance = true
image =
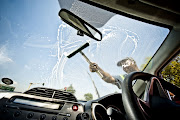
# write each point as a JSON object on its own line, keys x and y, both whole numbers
{"x": 90, "y": 63}
{"x": 85, "y": 57}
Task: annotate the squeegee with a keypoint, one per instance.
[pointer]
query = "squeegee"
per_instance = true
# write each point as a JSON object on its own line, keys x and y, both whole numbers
{"x": 79, "y": 50}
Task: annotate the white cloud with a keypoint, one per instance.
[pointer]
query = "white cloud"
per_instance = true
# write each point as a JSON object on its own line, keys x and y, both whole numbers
{"x": 27, "y": 67}
{"x": 3, "y": 56}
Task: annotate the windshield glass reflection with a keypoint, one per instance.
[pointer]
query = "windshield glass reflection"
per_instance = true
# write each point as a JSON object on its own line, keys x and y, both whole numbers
{"x": 32, "y": 49}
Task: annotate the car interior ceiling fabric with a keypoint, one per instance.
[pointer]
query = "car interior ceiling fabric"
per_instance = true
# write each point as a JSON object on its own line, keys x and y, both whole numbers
{"x": 85, "y": 11}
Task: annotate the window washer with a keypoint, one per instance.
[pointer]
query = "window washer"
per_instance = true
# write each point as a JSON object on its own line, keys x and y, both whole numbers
{"x": 128, "y": 64}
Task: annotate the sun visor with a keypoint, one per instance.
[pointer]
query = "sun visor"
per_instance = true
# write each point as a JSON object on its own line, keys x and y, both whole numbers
{"x": 86, "y": 12}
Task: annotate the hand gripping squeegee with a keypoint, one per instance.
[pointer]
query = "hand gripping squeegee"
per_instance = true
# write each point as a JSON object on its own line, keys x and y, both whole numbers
{"x": 80, "y": 50}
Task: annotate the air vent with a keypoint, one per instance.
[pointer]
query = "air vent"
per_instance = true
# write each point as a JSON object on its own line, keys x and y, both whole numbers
{"x": 51, "y": 93}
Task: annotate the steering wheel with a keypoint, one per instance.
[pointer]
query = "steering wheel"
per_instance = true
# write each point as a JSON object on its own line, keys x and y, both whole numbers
{"x": 137, "y": 109}
{"x": 131, "y": 102}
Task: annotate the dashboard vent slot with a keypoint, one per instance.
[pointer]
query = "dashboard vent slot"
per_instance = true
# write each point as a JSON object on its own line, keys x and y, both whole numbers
{"x": 51, "y": 93}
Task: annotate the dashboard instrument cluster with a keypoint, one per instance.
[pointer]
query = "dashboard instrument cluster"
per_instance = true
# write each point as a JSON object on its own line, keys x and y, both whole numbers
{"x": 34, "y": 105}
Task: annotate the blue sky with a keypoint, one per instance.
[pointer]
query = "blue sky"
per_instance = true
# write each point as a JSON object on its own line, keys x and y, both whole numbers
{"x": 33, "y": 40}
{"x": 28, "y": 31}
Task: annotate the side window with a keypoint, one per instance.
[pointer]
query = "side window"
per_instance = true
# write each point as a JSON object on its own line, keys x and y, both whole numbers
{"x": 171, "y": 72}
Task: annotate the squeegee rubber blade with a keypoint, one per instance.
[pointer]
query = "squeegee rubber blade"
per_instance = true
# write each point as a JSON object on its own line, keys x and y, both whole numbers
{"x": 78, "y": 50}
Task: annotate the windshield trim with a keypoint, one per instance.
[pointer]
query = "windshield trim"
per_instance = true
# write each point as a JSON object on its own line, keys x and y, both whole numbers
{"x": 96, "y": 4}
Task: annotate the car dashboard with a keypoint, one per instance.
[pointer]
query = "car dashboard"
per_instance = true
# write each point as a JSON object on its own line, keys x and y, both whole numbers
{"x": 36, "y": 104}
{"x": 24, "y": 106}
{"x": 108, "y": 107}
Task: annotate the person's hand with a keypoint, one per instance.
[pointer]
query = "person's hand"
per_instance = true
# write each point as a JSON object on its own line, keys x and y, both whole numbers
{"x": 93, "y": 67}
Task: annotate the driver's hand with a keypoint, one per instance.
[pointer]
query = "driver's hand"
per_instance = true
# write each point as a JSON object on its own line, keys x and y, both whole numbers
{"x": 93, "y": 67}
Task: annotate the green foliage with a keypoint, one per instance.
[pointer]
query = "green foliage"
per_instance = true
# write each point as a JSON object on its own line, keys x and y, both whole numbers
{"x": 172, "y": 71}
{"x": 88, "y": 96}
{"x": 71, "y": 89}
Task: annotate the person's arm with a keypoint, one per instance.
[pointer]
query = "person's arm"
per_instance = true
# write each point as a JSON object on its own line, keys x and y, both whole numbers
{"x": 106, "y": 76}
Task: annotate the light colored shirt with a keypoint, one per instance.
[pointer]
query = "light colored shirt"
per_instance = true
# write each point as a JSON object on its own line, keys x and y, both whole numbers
{"x": 119, "y": 79}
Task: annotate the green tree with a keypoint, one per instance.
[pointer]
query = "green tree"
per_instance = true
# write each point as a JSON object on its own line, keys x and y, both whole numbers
{"x": 71, "y": 89}
{"x": 172, "y": 71}
{"x": 88, "y": 96}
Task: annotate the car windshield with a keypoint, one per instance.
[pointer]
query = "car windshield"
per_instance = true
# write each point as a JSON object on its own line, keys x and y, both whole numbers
{"x": 34, "y": 42}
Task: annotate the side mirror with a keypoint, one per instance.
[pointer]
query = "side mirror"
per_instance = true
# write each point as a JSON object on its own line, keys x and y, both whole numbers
{"x": 7, "y": 81}
{"x": 79, "y": 24}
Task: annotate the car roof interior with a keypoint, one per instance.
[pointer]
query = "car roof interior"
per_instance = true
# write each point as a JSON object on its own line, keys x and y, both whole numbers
{"x": 165, "y": 13}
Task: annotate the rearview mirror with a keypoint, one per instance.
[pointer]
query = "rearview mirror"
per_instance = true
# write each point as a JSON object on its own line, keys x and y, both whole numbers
{"x": 79, "y": 24}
